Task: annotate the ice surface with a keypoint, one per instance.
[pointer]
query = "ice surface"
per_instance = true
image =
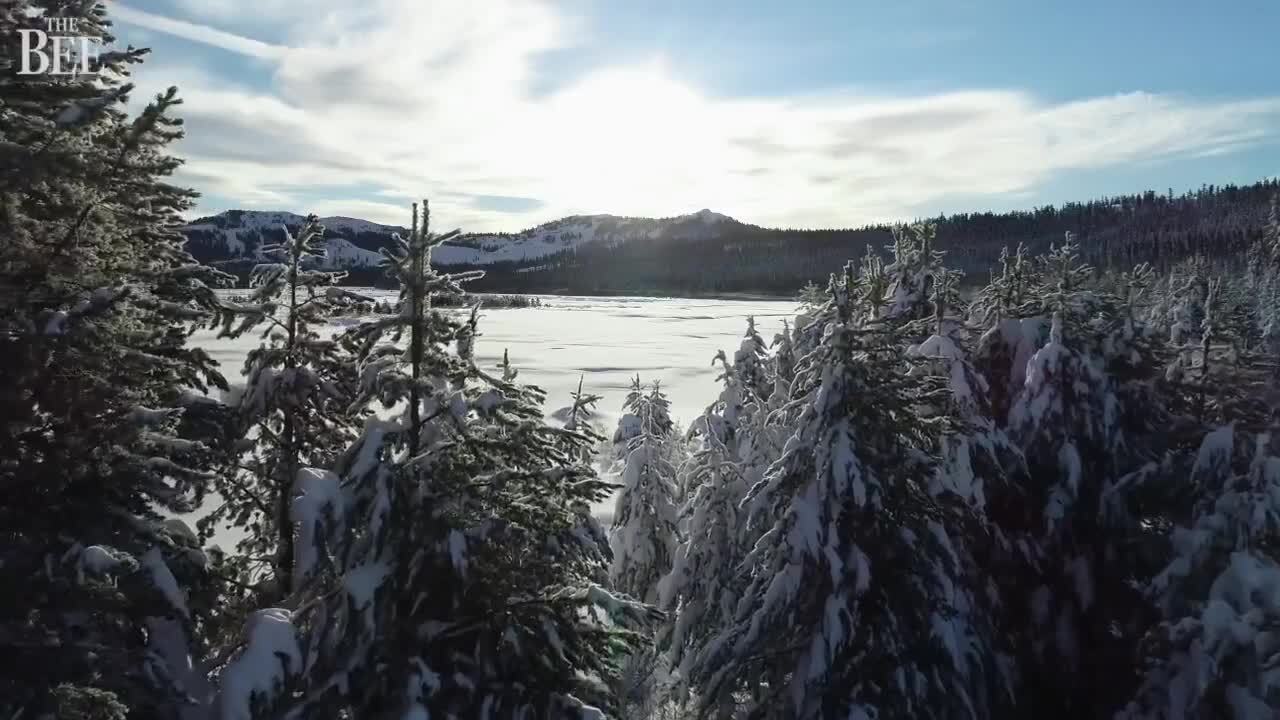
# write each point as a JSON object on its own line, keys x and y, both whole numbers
{"x": 606, "y": 340}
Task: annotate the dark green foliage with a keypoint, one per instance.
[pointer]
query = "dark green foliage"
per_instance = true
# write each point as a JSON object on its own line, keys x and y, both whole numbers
{"x": 101, "y": 421}
{"x": 294, "y": 409}
{"x": 455, "y": 574}
{"x": 843, "y": 587}
{"x": 1219, "y": 223}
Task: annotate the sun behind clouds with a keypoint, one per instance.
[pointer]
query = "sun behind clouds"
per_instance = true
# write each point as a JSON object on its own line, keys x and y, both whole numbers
{"x": 340, "y": 108}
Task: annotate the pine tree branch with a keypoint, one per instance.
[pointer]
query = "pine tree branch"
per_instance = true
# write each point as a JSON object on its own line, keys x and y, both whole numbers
{"x": 248, "y": 494}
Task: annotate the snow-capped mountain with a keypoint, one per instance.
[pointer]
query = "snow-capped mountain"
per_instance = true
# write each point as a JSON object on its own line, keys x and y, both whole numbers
{"x": 577, "y": 230}
{"x": 236, "y": 236}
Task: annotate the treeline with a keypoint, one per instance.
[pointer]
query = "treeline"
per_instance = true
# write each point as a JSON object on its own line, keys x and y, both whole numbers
{"x": 1218, "y": 223}
{"x": 1059, "y": 501}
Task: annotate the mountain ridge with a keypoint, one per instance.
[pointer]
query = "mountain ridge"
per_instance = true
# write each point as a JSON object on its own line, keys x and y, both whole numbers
{"x": 237, "y": 235}
{"x": 705, "y": 252}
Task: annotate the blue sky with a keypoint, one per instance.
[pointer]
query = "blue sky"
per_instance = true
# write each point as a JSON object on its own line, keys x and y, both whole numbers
{"x": 1063, "y": 50}
{"x": 513, "y": 112}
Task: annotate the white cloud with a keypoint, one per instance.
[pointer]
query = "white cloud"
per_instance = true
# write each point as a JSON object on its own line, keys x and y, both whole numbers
{"x": 433, "y": 98}
{"x": 195, "y": 32}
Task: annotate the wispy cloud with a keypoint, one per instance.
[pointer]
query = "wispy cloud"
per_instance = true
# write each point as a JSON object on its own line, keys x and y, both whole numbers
{"x": 196, "y": 32}
{"x": 434, "y": 98}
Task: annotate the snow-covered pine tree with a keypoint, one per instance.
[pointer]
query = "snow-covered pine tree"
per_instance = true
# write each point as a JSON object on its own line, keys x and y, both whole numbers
{"x": 582, "y": 408}
{"x": 293, "y": 408}
{"x": 1008, "y": 293}
{"x": 579, "y": 414}
{"x": 449, "y": 574}
{"x": 913, "y": 272}
{"x": 1272, "y": 235}
{"x": 1214, "y": 654}
{"x": 1160, "y": 309}
{"x": 750, "y": 361}
{"x": 701, "y": 591}
{"x": 1189, "y": 301}
{"x": 980, "y": 467}
{"x": 509, "y": 373}
{"x": 724, "y": 418}
{"x": 759, "y": 427}
{"x": 742, "y": 411}
{"x": 100, "y": 398}
{"x": 811, "y": 296}
{"x": 783, "y": 364}
{"x": 1238, "y": 320}
{"x": 846, "y": 590}
{"x": 645, "y": 535}
{"x": 810, "y": 324}
{"x": 978, "y": 455}
{"x": 1060, "y": 423}
{"x": 1267, "y": 288}
{"x": 1262, "y": 289}
{"x": 629, "y": 426}
{"x": 1009, "y": 310}
{"x": 1088, "y": 417}
{"x": 581, "y": 446}
{"x": 1205, "y": 384}
{"x": 762, "y": 434}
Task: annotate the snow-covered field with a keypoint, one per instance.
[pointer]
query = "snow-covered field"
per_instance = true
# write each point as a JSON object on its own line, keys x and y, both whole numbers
{"x": 606, "y": 340}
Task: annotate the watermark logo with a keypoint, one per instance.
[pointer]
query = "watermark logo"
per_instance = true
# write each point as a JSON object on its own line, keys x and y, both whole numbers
{"x": 58, "y": 49}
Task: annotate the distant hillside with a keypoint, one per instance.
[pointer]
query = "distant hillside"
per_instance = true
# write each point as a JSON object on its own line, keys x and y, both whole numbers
{"x": 708, "y": 253}
{"x": 233, "y": 239}
{"x": 571, "y": 234}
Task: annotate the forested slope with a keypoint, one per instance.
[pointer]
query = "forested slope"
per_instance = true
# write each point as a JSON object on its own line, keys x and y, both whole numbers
{"x": 1219, "y": 223}
{"x": 708, "y": 253}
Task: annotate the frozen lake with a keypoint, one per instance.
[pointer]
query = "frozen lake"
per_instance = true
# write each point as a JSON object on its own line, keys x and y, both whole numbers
{"x": 605, "y": 340}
